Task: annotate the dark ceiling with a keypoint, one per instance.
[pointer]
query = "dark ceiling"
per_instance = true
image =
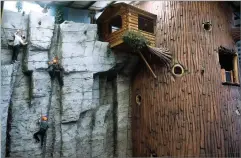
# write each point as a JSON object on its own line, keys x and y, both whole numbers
{"x": 91, "y": 5}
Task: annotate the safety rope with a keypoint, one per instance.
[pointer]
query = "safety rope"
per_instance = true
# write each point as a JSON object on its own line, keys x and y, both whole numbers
{"x": 48, "y": 109}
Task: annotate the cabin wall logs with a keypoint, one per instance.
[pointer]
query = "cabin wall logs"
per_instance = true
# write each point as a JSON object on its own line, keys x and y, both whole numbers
{"x": 115, "y": 38}
{"x": 129, "y": 18}
{"x": 192, "y": 115}
{"x": 133, "y": 25}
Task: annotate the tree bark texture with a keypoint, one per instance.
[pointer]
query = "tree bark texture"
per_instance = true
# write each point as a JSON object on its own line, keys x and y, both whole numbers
{"x": 192, "y": 115}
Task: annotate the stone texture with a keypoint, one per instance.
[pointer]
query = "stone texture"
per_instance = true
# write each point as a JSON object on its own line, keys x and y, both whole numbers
{"x": 8, "y": 73}
{"x": 100, "y": 136}
{"x": 47, "y": 22}
{"x": 39, "y": 46}
{"x": 40, "y": 37}
{"x": 84, "y": 134}
{"x": 13, "y": 20}
{"x": 40, "y": 34}
{"x": 37, "y": 60}
{"x": 54, "y": 137}
{"x": 41, "y": 85}
{"x": 24, "y": 118}
{"x": 6, "y": 56}
{"x": 68, "y": 140}
{"x": 89, "y": 115}
{"x": 123, "y": 89}
{"x": 77, "y": 27}
{"x": 80, "y": 52}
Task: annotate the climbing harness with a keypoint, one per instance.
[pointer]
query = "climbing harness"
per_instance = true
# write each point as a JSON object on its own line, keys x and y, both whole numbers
{"x": 55, "y": 70}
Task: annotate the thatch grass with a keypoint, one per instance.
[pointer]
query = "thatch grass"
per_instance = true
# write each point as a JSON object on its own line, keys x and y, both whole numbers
{"x": 135, "y": 40}
{"x": 139, "y": 43}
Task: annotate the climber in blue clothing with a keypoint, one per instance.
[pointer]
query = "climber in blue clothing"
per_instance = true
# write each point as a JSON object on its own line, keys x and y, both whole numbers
{"x": 43, "y": 128}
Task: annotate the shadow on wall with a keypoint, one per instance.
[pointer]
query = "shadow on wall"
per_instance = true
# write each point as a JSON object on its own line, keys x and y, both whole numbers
{"x": 75, "y": 15}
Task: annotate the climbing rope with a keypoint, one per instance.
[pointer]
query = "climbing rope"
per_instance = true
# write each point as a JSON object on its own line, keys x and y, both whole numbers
{"x": 48, "y": 109}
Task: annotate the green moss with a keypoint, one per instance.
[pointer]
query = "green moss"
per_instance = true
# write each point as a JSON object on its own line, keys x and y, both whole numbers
{"x": 108, "y": 51}
{"x": 135, "y": 40}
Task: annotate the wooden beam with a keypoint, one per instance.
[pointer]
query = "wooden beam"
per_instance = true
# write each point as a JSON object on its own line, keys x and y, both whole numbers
{"x": 70, "y": 3}
{"x": 89, "y": 5}
{"x": 223, "y": 75}
{"x": 235, "y": 69}
{"x": 149, "y": 67}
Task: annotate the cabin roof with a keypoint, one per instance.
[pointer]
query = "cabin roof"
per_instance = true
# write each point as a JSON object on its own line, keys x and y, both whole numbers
{"x": 115, "y": 8}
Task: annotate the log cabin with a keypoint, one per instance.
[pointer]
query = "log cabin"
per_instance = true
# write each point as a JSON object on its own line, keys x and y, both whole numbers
{"x": 118, "y": 18}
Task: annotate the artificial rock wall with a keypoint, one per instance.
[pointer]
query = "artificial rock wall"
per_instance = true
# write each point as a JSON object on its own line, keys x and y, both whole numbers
{"x": 89, "y": 116}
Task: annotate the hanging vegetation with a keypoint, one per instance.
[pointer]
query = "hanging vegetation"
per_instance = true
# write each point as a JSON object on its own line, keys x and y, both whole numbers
{"x": 59, "y": 16}
{"x": 135, "y": 40}
{"x": 139, "y": 43}
{"x": 19, "y": 6}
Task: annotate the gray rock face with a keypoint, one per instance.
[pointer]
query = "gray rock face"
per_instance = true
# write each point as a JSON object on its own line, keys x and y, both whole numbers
{"x": 12, "y": 20}
{"x": 123, "y": 116}
{"x": 76, "y": 99}
{"x": 24, "y": 117}
{"x": 6, "y": 56}
{"x": 81, "y": 51}
{"x": 8, "y": 73}
{"x": 41, "y": 30}
{"x": 41, "y": 84}
{"x": 102, "y": 140}
{"x": 89, "y": 116}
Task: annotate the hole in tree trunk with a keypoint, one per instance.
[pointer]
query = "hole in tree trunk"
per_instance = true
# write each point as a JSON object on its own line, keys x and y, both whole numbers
{"x": 177, "y": 70}
{"x": 138, "y": 99}
{"x": 207, "y": 26}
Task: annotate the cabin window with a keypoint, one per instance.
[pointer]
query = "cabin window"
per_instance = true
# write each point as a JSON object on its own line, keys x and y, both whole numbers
{"x": 115, "y": 24}
{"x": 145, "y": 24}
{"x": 229, "y": 67}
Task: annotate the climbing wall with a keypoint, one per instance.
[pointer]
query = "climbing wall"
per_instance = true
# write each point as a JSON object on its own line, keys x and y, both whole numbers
{"x": 8, "y": 73}
{"x": 88, "y": 116}
{"x": 11, "y": 78}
